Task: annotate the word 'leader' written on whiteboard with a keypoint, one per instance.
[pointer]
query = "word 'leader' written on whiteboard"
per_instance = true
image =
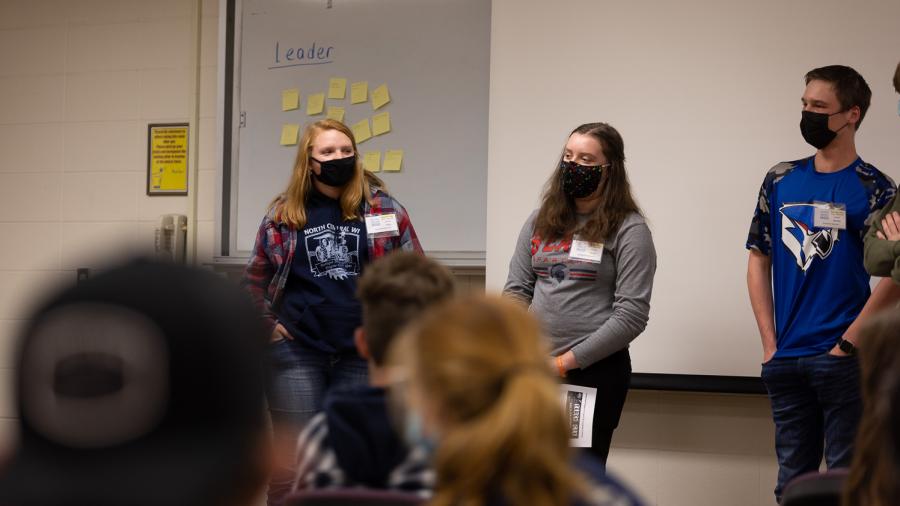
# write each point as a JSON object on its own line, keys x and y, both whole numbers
{"x": 306, "y": 55}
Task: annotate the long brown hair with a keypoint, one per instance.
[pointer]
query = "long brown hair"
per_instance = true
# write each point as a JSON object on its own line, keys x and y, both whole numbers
{"x": 557, "y": 219}
{"x": 290, "y": 206}
{"x": 874, "y": 472}
{"x": 480, "y": 364}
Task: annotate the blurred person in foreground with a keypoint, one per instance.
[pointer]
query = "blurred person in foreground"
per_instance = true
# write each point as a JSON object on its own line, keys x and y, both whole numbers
{"x": 141, "y": 386}
{"x": 874, "y": 472}
{"x": 473, "y": 382}
{"x": 353, "y": 442}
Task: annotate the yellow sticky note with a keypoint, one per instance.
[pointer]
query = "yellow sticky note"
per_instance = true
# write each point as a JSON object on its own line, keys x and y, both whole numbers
{"x": 335, "y": 113}
{"x": 337, "y": 87}
{"x": 289, "y": 134}
{"x": 359, "y": 92}
{"x": 380, "y": 97}
{"x": 393, "y": 158}
{"x": 361, "y": 131}
{"x": 290, "y": 99}
{"x": 381, "y": 123}
{"x": 315, "y": 104}
{"x": 372, "y": 161}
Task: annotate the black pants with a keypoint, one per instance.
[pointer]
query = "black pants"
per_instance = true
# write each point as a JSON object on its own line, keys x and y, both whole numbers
{"x": 611, "y": 377}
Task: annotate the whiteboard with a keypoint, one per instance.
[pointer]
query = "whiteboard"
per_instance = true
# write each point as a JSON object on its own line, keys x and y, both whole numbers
{"x": 433, "y": 55}
{"x": 706, "y": 94}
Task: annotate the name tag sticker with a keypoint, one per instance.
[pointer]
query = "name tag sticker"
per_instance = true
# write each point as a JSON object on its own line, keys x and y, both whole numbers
{"x": 831, "y": 216}
{"x": 586, "y": 251}
{"x": 382, "y": 225}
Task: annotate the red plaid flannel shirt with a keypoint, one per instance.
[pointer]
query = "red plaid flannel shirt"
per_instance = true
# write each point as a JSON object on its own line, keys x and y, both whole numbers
{"x": 270, "y": 262}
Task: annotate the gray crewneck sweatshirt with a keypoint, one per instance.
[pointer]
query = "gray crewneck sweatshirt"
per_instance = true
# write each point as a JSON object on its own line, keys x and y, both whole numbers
{"x": 593, "y": 309}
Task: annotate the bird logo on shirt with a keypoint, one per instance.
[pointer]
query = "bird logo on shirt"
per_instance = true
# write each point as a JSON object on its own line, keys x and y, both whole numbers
{"x": 805, "y": 241}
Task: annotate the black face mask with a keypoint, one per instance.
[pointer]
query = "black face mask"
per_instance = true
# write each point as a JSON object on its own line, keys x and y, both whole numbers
{"x": 337, "y": 172}
{"x": 579, "y": 181}
{"x": 814, "y": 127}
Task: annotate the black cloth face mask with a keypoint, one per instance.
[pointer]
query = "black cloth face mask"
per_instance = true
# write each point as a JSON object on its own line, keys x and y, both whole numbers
{"x": 814, "y": 127}
{"x": 337, "y": 172}
{"x": 579, "y": 181}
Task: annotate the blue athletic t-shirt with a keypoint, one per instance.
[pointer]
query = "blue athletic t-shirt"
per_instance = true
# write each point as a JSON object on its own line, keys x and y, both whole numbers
{"x": 320, "y": 307}
{"x": 820, "y": 284}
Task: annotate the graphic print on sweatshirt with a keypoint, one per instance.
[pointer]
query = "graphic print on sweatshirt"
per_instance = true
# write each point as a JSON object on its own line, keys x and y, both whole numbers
{"x": 333, "y": 250}
{"x": 551, "y": 261}
{"x": 799, "y": 235}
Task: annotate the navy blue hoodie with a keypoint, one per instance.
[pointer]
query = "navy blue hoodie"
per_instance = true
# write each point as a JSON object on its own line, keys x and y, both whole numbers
{"x": 320, "y": 308}
{"x": 360, "y": 432}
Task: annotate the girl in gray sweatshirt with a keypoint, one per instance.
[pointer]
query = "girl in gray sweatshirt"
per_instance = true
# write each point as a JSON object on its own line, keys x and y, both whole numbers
{"x": 584, "y": 264}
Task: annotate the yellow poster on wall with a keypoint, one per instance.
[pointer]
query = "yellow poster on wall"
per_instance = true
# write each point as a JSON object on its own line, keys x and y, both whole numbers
{"x": 167, "y": 159}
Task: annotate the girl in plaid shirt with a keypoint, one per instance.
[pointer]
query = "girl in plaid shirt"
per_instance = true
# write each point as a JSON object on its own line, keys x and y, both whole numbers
{"x": 312, "y": 246}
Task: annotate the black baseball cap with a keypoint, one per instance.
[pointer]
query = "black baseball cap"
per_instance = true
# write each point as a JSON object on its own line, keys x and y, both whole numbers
{"x": 141, "y": 386}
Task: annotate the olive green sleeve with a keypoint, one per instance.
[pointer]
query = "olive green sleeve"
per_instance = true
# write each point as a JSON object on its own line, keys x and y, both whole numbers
{"x": 882, "y": 257}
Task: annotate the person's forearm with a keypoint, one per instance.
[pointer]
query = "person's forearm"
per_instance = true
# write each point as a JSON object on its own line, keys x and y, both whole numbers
{"x": 886, "y": 294}
{"x": 759, "y": 285}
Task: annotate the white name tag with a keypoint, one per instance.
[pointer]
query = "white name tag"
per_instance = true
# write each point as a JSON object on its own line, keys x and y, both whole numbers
{"x": 382, "y": 225}
{"x": 831, "y": 216}
{"x": 586, "y": 251}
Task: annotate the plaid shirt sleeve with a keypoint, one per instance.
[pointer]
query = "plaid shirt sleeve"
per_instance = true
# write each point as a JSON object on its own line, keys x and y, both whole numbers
{"x": 259, "y": 271}
{"x": 405, "y": 240}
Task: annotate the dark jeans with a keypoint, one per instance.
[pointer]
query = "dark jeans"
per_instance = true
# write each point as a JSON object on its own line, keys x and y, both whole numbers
{"x": 814, "y": 399}
{"x": 299, "y": 378}
{"x": 611, "y": 377}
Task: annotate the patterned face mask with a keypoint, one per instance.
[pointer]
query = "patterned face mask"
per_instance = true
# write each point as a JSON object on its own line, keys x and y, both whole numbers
{"x": 579, "y": 181}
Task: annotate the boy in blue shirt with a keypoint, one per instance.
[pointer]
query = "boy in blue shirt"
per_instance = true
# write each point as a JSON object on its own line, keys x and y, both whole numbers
{"x": 808, "y": 287}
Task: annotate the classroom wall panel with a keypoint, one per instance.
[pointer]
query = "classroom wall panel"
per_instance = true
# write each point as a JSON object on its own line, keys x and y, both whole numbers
{"x": 206, "y": 195}
{"x": 17, "y": 14}
{"x": 101, "y": 12}
{"x": 9, "y": 329}
{"x": 209, "y": 43}
{"x": 97, "y": 96}
{"x": 166, "y": 44}
{"x": 151, "y": 208}
{"x": 20, "y": 253}
{"x": 36, "y": 147}
{"x": 208, "y": 91}
{"x": 104, "y": 47}
{"x": 123, "y": 146}
{"x": 31, "y": 99}
{"x": 96, "y": 244}
{"x": 101, "y": 196}
{"x": 162, "y": 10}
{"x": 162, "y": 93}
{"x": 207, "y": 144}
{"x": 21, "y": 289}
{"x": 32, "y": 51}
{"x": 206, "y": 235}
{"x": 689, "y": 479}
{"x": 29, "y": 197}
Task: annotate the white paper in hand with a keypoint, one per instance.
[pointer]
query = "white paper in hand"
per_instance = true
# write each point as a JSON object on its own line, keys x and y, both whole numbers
{"x": 579, "y": 403}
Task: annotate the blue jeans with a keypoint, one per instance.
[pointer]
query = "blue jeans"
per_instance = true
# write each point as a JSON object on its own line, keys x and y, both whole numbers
{"x": 814, "y": 399}
{"x": 300, "y": 376}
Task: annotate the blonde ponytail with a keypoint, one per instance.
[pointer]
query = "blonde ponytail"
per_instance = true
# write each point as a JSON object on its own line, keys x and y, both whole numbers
{"x": 481, "y": 362}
